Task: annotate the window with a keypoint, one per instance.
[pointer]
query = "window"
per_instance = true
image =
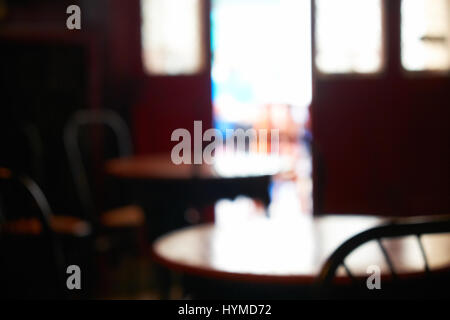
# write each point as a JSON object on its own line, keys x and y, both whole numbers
{"x": 349, "y": 36}
{"x": 425, "y": 32}
{"x": 172, "y": 36}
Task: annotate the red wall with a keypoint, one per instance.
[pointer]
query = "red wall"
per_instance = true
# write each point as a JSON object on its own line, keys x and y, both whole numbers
{"x": 383, "y": 141}
{"x": 384, "y": 151}
{"x": 153, "y": 105}
{"x": 158, "y": 104}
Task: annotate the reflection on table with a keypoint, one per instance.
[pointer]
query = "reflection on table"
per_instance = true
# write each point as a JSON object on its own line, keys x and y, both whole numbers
{"x": 289, "y": 251}
{"x": 161, "y": 166}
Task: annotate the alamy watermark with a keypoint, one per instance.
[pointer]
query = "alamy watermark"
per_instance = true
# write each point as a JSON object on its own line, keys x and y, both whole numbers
{"x": 73, "y": 22}
{"x": 374, "y": 280}
{"x": 73, "y": 281}
{"x": 193, "y": 151}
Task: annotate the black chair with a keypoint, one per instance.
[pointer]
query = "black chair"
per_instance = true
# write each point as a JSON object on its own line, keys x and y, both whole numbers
{"x": 31, "y": 257}
{"x": 91, "y": 137}
{"x": 88, "y": 147}
{"x": 426, "y": 284}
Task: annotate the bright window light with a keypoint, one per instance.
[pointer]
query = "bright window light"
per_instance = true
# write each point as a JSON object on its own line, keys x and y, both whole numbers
{"x": 349, "y": 36}
{"x": 425, "y": 35}
{"x": 172, "y": 36}
{"x": 261, "y": 55}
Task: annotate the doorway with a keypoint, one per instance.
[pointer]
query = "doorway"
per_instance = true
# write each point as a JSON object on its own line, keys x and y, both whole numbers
{"x": 261, "y": 79}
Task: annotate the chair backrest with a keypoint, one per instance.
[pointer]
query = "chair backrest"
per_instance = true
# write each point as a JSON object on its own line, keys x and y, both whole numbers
{"x": 79, "y": 124}
{"x": 397, "y": 228}
{"x": 31, "y": 256}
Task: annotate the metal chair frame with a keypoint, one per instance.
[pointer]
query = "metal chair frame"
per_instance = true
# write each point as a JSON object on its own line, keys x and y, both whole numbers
{"x": 31, "y": 187}
{"x": 397, "y": 228}
{"x": 82, "y": 118}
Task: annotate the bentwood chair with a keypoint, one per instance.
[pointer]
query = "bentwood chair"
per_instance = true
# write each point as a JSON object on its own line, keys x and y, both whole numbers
{"x": 31, "y": 257}
{"x": 91, "y": 137}
{"x": 87, "y": 146}
{"x": 426, "y": 284}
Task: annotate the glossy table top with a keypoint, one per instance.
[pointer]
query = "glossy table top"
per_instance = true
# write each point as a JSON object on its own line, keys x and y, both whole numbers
{"x": 160, "y": 166}
{"x": 290, "y": 251}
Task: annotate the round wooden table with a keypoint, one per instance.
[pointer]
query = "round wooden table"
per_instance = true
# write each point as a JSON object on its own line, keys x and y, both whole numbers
{"x": 160, "y": 166}
{"x": 167, "y": 191}
{"x": 290, "y": 251}
{"x": 199, "y": 185}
